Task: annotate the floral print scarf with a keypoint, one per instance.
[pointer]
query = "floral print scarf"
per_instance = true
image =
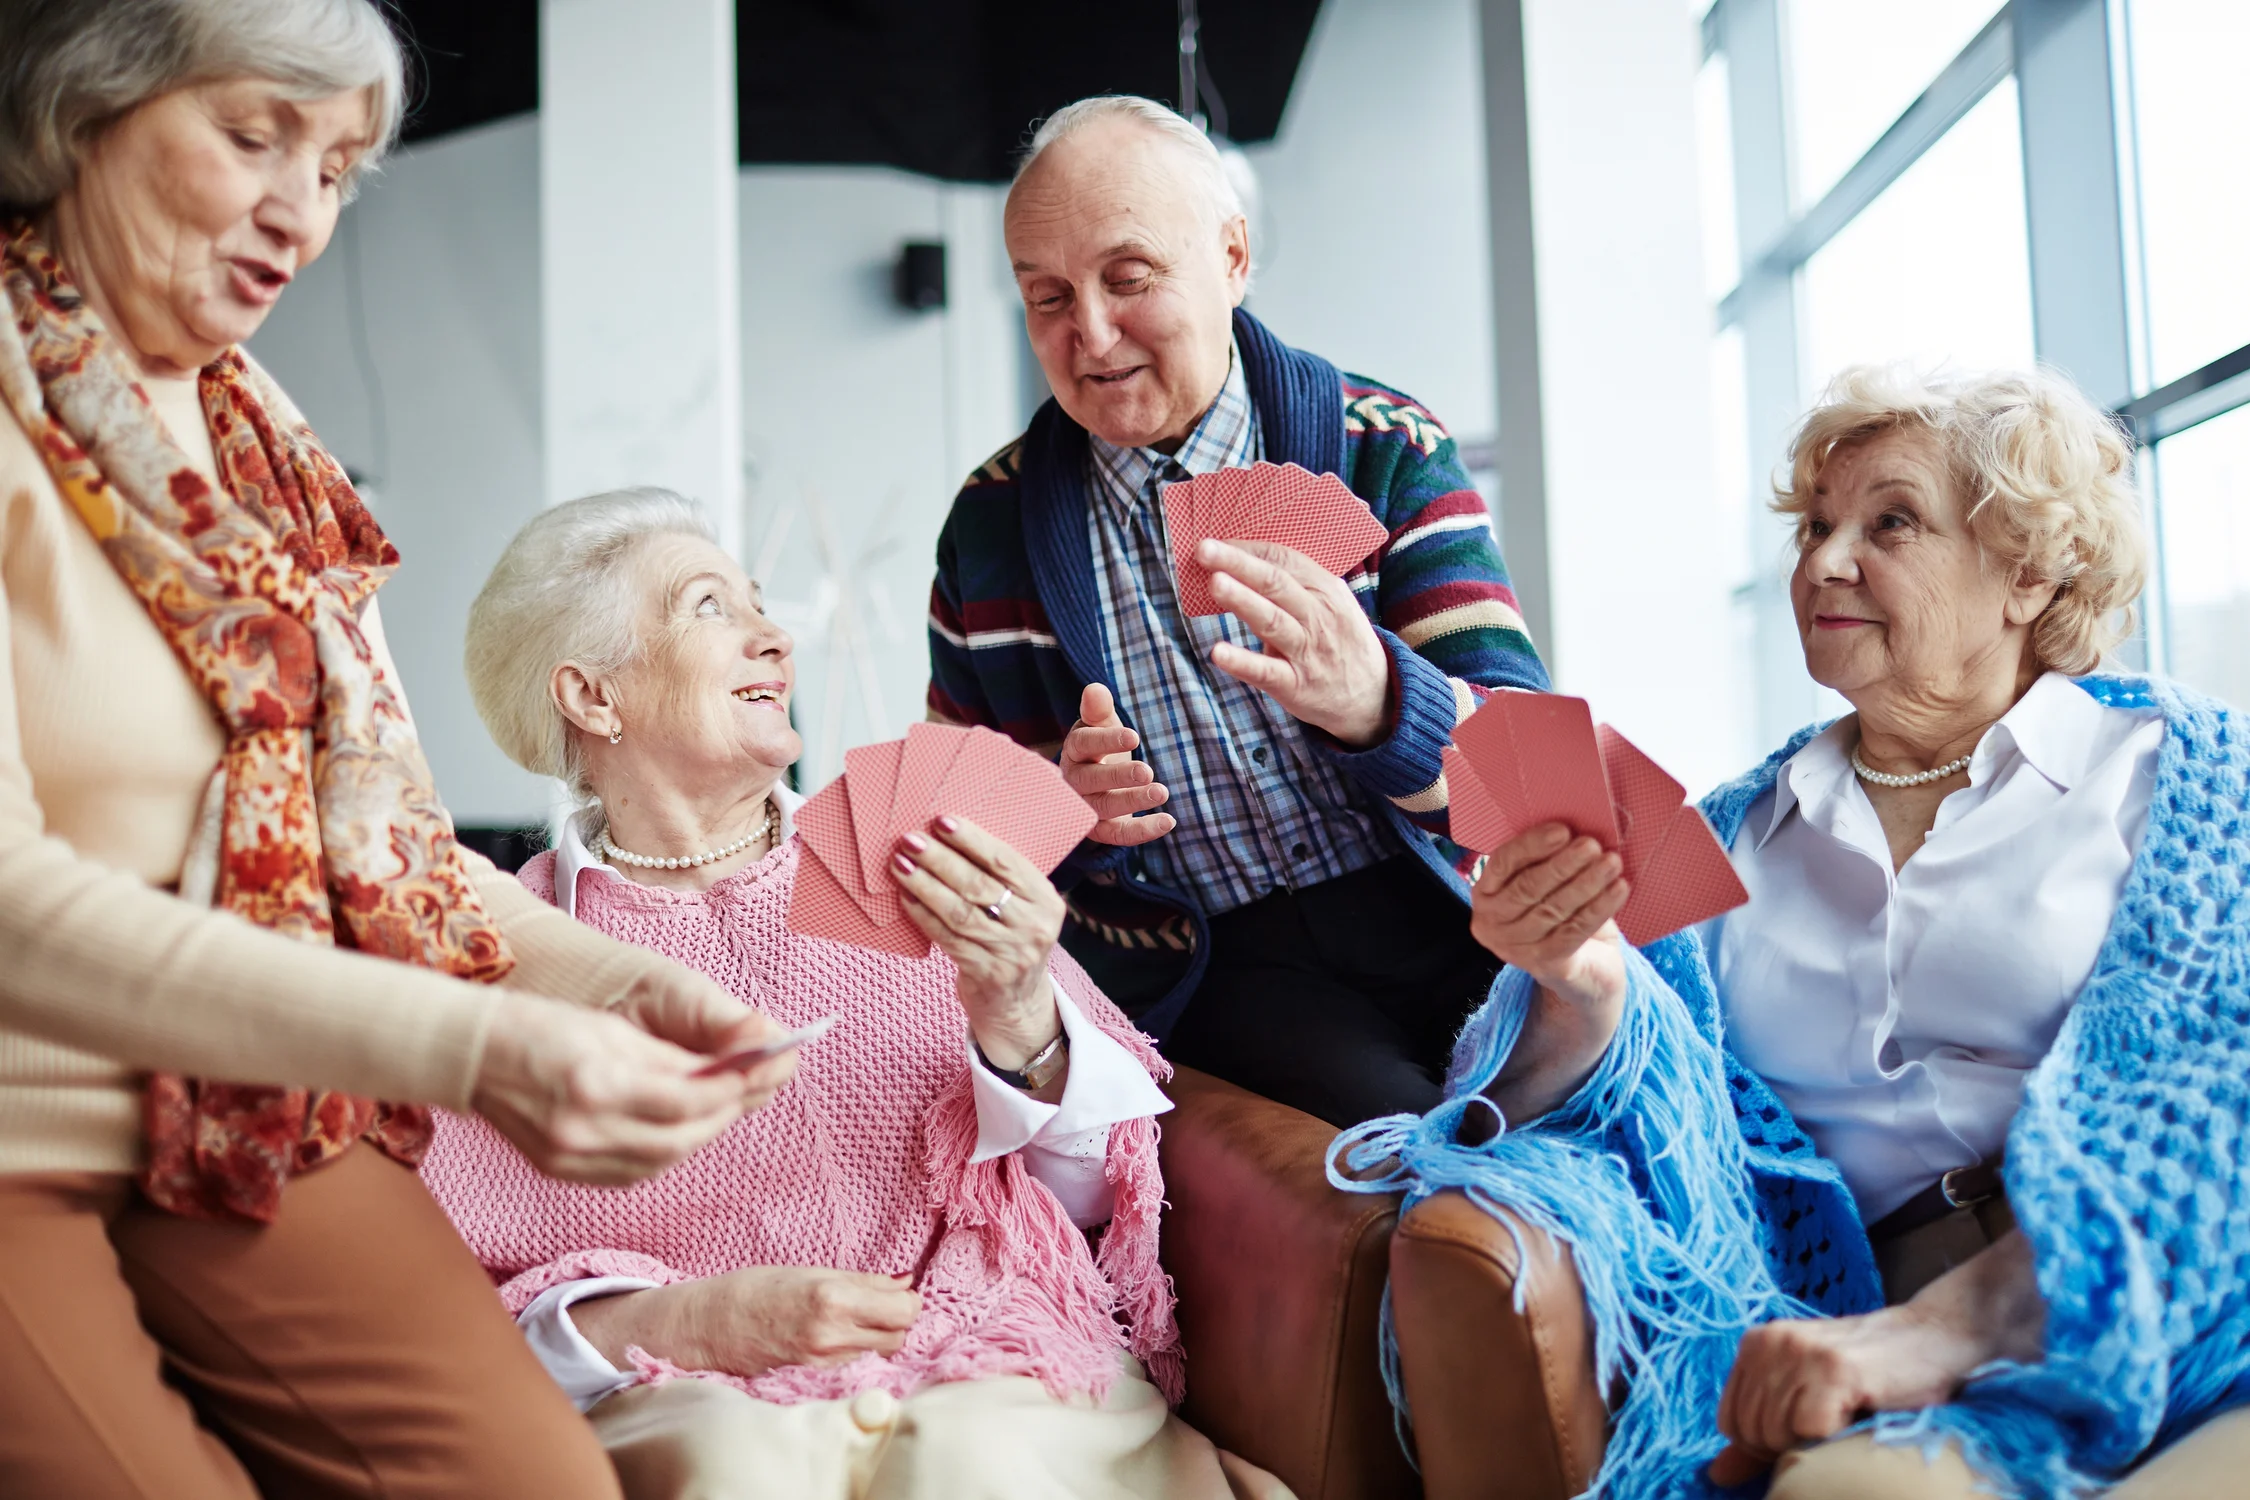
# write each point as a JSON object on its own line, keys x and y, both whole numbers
{"x": 331, "y": 829}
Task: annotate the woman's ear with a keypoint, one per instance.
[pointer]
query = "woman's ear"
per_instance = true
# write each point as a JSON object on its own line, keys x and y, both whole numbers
{"x": 2029, "y": 595}
{"x": 583, "y": 701}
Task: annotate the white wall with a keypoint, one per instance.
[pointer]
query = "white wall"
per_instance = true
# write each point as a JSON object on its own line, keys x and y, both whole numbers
{"x": 448, "y": 251}
{"x": 862, "y": 419}
{"x": 1376, "y": 236}
{"x": 1638, "y": 549}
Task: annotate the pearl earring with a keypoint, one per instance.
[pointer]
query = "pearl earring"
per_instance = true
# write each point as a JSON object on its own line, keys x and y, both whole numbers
{"x": 615, "y": 735}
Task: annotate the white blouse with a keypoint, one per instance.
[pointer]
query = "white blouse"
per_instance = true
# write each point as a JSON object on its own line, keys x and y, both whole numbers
{"x": 1897, "y": 1014}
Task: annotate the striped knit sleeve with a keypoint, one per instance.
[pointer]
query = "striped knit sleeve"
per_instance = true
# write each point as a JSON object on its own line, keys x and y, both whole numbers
{"x": 1442, "y": 602}
{"x": 955, "y": 695}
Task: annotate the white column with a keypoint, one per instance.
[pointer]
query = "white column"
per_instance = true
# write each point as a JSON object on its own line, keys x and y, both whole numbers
{"x": 638, "y": 235}
{"x": 1601, "y": 247}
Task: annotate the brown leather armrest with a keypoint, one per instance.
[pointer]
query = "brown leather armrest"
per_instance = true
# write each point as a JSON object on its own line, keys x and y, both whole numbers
{"x": 1505, "y": 1403}
{"x": 1280, "y": 1279}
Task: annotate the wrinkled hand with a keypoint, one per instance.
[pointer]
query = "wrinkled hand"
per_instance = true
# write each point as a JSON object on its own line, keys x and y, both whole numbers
{"x": 1805, "y": 1380}
{"x": 589, "y": 1097}
{"x": 1544, "y": 905}
{"x": 756, "y": 1319}
{"x": 1097, "y": 763}
{"x": 950, "y": 879}
{"x": 687, "y": 1009}
{"x": 1322, "y": 660}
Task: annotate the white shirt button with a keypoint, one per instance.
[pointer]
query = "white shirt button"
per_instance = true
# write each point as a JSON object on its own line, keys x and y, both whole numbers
{"x": 872, "y": 1411}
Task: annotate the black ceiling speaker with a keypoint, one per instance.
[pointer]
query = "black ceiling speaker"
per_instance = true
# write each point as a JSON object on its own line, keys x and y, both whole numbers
{"x": 919, "y": 278}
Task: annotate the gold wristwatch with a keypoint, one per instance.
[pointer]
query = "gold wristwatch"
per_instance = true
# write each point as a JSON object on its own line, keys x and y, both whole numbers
{"x": 1040, "y": 1070}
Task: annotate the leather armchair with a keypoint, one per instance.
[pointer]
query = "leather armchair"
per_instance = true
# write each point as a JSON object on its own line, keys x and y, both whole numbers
{"x": 1505, "y": 1402}
{"x": 1280, "y": 1281}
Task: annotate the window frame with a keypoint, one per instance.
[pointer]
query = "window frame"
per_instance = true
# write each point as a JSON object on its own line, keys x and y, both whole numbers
{"x": 2082, "y": 215}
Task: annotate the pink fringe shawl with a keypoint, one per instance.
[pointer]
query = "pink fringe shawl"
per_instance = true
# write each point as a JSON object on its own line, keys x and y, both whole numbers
{"x": 862, "y": 1163}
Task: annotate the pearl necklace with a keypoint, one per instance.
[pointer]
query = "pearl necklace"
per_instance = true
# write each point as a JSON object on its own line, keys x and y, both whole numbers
{"x": 604, "y": 849}
{"x": 1919, "y": 778}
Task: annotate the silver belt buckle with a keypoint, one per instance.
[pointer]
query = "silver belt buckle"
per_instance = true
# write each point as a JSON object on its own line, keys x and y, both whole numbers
{"x": 1962, "y": 1196}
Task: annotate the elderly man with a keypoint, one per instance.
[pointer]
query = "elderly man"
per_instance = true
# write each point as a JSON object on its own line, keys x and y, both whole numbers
{"x": 1293, "y": 919}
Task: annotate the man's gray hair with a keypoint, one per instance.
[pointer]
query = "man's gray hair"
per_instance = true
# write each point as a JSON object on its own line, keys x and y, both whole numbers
{"x": 70, "y": 68}
{"x": 1222, "y": 195}
{"x": 563, "y": 592}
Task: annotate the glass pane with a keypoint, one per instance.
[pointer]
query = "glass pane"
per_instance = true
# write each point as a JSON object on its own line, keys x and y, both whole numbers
{"x": 2203, "y": 503}
{"x": 1936, "y": 270}
{"x": 1854, "y": 67}
{"x": 1741, "y": 512}
{"x": 1714, "y": 140}
{"x": 2192, "y": 139}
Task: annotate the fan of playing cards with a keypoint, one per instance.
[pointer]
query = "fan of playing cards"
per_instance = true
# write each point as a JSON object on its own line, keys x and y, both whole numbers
{"x": 1313, "y": 513}
{"x": 901, "y": 786}
{"x": 1529, "y": 758}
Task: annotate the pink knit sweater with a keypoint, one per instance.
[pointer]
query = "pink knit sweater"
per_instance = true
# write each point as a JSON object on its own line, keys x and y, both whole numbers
{"x": 861, "y": 1163}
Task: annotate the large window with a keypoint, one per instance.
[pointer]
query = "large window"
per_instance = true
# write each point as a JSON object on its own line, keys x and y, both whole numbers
{"x": 1956, "y": 182}
{"x": 2184, "y": 150}
{"x": 1936, "y": 270}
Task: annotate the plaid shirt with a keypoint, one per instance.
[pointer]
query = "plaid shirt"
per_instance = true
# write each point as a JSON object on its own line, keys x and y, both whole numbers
{"x": 1259, "y": 808}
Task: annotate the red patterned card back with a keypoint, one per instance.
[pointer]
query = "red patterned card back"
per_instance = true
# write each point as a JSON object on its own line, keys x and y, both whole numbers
{"x": 1474, "y": 817}
{"x": 1688, "y": 880}
{"x": 1017, "y": 796}
{"x": 825, "y": 824}
{"x": 1644, "y": 795}
{"x": 820, "y": 907}
{"x": 870, "y": 773}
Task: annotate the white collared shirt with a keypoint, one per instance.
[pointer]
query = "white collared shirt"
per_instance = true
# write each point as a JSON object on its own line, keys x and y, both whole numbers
{"x": 1064, "y": 1145}
{"x": 1898, "y": 1013}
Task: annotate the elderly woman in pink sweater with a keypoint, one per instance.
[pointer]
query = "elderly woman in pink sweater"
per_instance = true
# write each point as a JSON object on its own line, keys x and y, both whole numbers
{"x": 929, "y": 1267}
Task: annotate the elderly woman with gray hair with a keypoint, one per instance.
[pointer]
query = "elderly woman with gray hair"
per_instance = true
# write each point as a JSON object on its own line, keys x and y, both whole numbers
{"x": 929, "y": 1269}
{"x": 1922, "y": 1174}
{"x": 243, "y": 952}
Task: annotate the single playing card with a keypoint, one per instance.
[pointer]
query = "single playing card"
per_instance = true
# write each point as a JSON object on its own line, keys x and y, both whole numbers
{"x": 1644, "y": 795}
{"x": 1688, "y": 880}
{"x": 773, "y": 1046}
{"x": 819, "y": 906}
{"x": 1191, "y": 580}
{"x": 930, "y": 752}
{"x": 825, "y": 822}
{"x": 870, "y": 772}
{"x": 1034, "y": 811}
{"x": 1016, "y": 796}
{"x": 1537, "y": 755}
{"x": 1475, "y": 819}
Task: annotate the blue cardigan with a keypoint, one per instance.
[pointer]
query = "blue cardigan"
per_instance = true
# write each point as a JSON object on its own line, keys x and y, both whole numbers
{"x": 1695, "y": 1207}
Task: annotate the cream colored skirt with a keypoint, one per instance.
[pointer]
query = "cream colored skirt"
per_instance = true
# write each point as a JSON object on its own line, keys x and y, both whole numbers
{"x": 1001, "y": 1439}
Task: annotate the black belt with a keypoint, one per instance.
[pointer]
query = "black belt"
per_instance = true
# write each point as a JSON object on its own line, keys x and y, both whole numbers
{"x": 1963, "y": 1187}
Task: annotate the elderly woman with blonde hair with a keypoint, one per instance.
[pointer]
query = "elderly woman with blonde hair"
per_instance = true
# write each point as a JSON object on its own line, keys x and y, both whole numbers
{"x": 240, "y": 952}
{"x": 1922, "y": 1174}
{"x": 928, "y": 1269}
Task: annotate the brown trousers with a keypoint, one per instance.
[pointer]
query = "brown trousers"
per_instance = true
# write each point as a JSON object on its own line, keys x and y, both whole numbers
{"x": 351, "y": 1348}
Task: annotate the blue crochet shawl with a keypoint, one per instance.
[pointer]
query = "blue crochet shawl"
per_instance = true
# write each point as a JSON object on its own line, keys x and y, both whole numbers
{"x": 1695, "y": 1207}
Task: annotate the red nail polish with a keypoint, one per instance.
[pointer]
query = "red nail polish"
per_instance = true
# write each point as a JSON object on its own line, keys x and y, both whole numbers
{"x": 949, "y": 823}
{"x": 915, "y": 842}
{"x": 905, "y": 865}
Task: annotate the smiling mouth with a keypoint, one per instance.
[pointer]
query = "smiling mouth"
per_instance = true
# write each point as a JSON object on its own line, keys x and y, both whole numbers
{"x": 1838, "y": 622}
{"x": 762, "y": 693}
{"x": 1113, "y": 377}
